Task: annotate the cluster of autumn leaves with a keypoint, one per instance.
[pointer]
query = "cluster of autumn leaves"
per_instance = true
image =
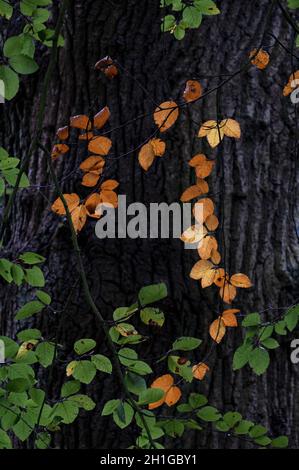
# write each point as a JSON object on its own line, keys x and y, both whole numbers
{"x": 207, "y": 270}
{"x": 92, "y": 168}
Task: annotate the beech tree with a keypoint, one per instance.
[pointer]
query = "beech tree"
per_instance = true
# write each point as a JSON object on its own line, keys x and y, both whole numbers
{"x": 117, "y": 343}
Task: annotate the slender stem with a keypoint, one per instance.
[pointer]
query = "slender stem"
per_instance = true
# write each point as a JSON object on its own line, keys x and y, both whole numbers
{"x": 90, "y": 300}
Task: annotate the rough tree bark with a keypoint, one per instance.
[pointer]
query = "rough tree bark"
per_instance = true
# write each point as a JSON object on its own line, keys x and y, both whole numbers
{"x": 256, "y": 190}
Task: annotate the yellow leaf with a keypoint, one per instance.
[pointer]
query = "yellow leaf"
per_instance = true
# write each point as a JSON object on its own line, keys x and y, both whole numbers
{"x": 70, "y": 368}
{"x": 231, "y": 128}
{"x": 206, "y": 128}
{"x": 215, "y": 136}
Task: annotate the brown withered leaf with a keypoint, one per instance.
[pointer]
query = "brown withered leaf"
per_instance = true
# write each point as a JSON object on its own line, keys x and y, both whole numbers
{"x": 193, "y": 90}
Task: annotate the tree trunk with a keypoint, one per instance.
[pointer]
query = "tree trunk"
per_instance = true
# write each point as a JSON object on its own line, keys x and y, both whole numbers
{"x": 252, "y": 186}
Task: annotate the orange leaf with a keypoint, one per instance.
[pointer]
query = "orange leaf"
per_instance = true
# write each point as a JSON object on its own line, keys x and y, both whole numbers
{"x": 212, "y": 222}
{"x": 217, "y": 330}
{"x": 193, "y": 91}
{"x": 203, "y": 185}
{"x": 100, "y": 145}
{"x": 109, "y": 197}
{"x": 191, "y": 193}
{"x": 109, "y": 185}
{"x": 215, "y": 256}
{"x": 229, "y": 318}
{"x": 260, "y": 58}
{"x": 92, "y": 163}
{"x": 292, "y": 84}
{"x": 240, "y": 280}
{"x": 103, "y": 63}
{"x": 72, "y": 201}
{"x": 111, "y": 71}
{"x": 200, "y": 268}
{"x": 165, "y": 115}
{"x": 101, "y": 118}
{"x": 91, "y": 205}
{"x": 228, "y": 293}
{"x": 203, "y": 209}
{"x": 90, "y": 179}
{"x": 63, "y": 133}
{"x": 164, "y": 383}
{"x": 59, "y": 149}
{"x": 86, "y": 136}
{"x": 81, "y": 121}
{"x": 220, "y": 277}
{"x": 79, "y": 217}
{"x": 206, "y": 246}
{"x": 146, "y": 156}
{"x": 207, "y": 127}
{"x": 199, "y": 370}
{"x": 172, "y": 396}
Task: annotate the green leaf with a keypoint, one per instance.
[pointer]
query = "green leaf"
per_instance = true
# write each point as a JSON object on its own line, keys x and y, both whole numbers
{"x": 232, "y": 418}
{"x": 263, "y": 441}
{"x": 280, "y": 328}
{"x": 5, "y": 270}
{"x": 11, "y": 347}
{"x": 18, "y": 385}
{"x": 192, "y": 16}
{"x": 5, "y": 442}
{"x": 152, "y": 316}
{"x": 84, "y": 371}
{"x": 291, "y": 317}
{"x": 23, "y": 64}
{"x": 12, "y": 46}
{"x": 11, "y": 82}
{"x": 135, "y": 383}
{"x": 70, "y": 388}
{"x": 43, "y": 296}
{"x": 252, "y": 319}
{"x": 184, "y": 370}
{"x": 153, "y": 293}
{"x": 179, "y": 32}
{"x": 8, "y": 163}
{"x": 280, "y": 442}
{"x": 6, "y": 9}
{"x": 124, "y": 312}
{"x": 209, "y": 413}
{"x": 259, "y": 360}
{"x": 184, "y": 408}
{"x": 2, "y": 186}
{"x": 150, "y": 395}
{"x": 29, "y": 309}
{"x": 109, "y": 407}
{"x": 3, "y": 153}
{"x": 83, "y": 401}
{"x": 123, "y": 415}
{"x": 102, "y": 363}
{"x": 34, "y": 276}
{"x": 270, "y": 343}
{"x": 127, "y": 356}
{"x": 243, "y": 427}
{"x": 168, "y": 23}
{"x": 22, "y": 429}
{"x": 241, "y": 356}
{"x": 257, "y": 431}
{"x": 29, "y": 334}
{"x": 174, "y": 428}
{"x": 12, "y": 175}
{"x": 293, "y": 4}
{"x": 45, "y": 353}
{"x": 186, "y": 343}
{"x": 32, "y": 258}
{"x": 17, "y": 274}
{"x": 84, "y": 345}
{"x": 43, "y": 440}
{"x": 207, "y": 7}
{"x": 67, "y": 410}
{"x": 140, "y": 367}
{"x": 222, "y": 426}
{"x": 266, "y": 332}
{"x": 197, "y": 400}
